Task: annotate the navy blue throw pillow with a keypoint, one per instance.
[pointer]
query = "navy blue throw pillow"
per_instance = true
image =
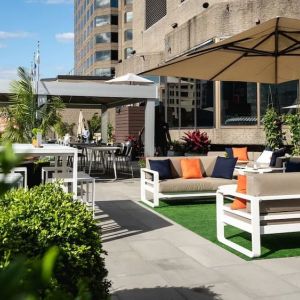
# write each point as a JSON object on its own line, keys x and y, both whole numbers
{"x": 277, "y": 153}
{"x": 163, "y": 167}
{"x": 292, "y": 166}
{"x": 229, "y": 152}
{"x": 224, "y": 167}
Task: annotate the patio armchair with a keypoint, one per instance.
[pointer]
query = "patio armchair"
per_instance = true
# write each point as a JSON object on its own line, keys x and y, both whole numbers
{"x": 273, "y": 206}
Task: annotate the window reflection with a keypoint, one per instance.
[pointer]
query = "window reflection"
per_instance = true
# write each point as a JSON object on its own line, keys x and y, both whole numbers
{"x": 189, "y": 102}
{"x": 238, "y": 103}
{"x": 287, "y": 96}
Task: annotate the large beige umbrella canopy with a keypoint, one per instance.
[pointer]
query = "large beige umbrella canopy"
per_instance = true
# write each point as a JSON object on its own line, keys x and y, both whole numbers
{"x": 131, "y": 79}
{"x": 80, "y": 128}
{"x": 267, "y": 53}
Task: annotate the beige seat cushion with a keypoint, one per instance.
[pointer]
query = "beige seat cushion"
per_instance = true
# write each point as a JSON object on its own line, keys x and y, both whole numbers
{"x": 179, "y": 185}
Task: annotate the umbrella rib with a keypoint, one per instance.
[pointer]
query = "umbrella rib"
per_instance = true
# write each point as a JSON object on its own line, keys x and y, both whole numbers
{"x": 239, "y": 58}
{"x": 249, "y": 50}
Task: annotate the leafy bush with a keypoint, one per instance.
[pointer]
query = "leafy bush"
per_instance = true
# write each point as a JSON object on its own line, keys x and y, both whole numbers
{"x": 293, "y": 122}
{"x": 196, "y": 141}
{"x": 33, "y": 221}
{"x": 272, "y": 122}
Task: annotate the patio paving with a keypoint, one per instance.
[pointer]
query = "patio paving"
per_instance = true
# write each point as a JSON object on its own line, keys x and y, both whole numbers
{"x": 150, "y": 257}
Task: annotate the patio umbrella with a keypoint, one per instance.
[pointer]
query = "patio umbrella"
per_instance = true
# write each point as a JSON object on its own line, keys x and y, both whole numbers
{"x": 267, "y": 53}
{"x": 131, "y": 79}
{"x": 80, "y": 127}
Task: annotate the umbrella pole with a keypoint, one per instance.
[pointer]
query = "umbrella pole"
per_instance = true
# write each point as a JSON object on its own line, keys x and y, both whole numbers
{"x": 276, "y": 102}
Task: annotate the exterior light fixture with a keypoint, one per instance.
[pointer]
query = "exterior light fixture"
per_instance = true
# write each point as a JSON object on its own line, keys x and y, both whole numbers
{"x": 257, "y": 21}
{"x": 119, "y": 61}
{"x": 174, "y": 25}
{"x": 133, "y": 52}
{"x": 205, "y": 5}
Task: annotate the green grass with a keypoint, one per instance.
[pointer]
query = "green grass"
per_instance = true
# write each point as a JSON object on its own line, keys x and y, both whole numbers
{"x": 200, "y": 217}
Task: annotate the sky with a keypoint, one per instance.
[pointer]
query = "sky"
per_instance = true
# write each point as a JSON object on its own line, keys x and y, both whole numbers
{"x": 25, "y": 22}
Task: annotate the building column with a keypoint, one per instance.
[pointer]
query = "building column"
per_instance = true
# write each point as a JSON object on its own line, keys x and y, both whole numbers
{"x": 104, "y": 123}
{"x": 149, "y": 148}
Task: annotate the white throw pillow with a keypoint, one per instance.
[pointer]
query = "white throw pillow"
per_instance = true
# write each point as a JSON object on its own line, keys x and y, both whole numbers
{"x": 265, "y": 157}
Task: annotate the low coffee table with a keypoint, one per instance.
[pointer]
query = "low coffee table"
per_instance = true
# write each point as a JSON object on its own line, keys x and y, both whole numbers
{"x": 242, "y": 170}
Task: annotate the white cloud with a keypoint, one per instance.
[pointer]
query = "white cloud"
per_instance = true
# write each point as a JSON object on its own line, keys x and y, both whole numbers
{"x": 14, "y": 35}
{"x": 65, "y": 37}
{"x": 8, "y": 74}
{"x": 50, "y": 1}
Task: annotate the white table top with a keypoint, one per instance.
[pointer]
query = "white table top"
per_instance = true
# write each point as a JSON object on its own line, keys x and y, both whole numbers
{"x": 45, "y": 150}
{"x": 103, "y": 148}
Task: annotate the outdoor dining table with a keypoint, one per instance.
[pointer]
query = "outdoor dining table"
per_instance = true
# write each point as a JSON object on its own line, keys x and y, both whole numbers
{"x": 102, "y": 150}
{"x": 52, "y": 150}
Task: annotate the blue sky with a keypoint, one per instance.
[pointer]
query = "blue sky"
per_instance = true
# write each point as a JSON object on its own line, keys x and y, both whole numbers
{"x": 25, "y": 22}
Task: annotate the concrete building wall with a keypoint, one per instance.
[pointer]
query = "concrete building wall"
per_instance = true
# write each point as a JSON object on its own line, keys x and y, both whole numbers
{"x": 196, "y": 25}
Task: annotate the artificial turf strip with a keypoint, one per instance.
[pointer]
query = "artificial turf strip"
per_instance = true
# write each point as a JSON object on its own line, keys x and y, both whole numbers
{"x": 200, "y": 217}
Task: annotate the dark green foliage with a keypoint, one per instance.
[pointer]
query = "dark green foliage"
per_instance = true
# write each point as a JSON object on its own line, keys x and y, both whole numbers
{"x": 33, "y": 221}
{"x": 94, "y": 124}
{"x": 293, "y": 122}
{"x": 272, "y": 122}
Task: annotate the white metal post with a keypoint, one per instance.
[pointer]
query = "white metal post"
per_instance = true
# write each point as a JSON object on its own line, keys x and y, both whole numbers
{"x": 149, "y": 148}
{"x": 104, "y": 124}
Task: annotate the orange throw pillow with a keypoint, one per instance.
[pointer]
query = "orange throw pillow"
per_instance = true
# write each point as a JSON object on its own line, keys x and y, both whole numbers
{"x": 240, "y": 153}
{"x": 190, "y": 168}
{"x": 239, "y": 203}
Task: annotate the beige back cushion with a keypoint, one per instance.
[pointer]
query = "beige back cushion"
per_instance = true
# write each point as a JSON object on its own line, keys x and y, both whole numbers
{"x": 272, "y": 184}
{"x": 207, "y": 164}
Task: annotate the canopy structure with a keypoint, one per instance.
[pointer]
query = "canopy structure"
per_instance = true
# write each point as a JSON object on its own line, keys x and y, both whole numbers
{"x": 130, "y": 78}
{"x": 87, "y": 94}
{"x": 267, "y": 53}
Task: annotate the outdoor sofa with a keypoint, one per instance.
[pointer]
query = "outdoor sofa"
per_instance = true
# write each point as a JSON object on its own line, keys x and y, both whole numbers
{"x": 273, "y": 206}
{"x": 177, "y": 187}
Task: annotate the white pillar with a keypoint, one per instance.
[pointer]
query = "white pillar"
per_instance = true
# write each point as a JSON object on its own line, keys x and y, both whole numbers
{"x": 104, "y": 123}
{"x": 149, "y": 148}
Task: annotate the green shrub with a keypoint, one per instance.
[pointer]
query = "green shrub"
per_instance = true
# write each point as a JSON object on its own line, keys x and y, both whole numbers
{"x": 33, "y": 221}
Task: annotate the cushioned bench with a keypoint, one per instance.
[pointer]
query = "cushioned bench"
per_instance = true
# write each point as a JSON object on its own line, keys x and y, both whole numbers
{"x": 273, "y": 206}
{"x": 177, "y": 187}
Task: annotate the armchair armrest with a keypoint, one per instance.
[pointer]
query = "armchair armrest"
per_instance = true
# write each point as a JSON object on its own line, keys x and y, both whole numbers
{"x": 154, "y": 175}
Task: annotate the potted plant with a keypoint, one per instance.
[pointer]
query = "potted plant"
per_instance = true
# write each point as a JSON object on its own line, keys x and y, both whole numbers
{"x": 176, "y": 148}
{"x": 196, "y": 142}
{"x": 37, "y": 137}
{"x": 293, "y": 122}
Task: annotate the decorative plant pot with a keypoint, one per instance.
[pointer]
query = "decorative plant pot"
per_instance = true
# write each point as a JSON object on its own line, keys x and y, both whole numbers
{"x": 39, "y": 139}
{"x": 34, "y": 142}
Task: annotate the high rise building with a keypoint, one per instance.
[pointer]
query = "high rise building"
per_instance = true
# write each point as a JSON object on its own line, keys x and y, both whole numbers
{"x": 96, "y": 37}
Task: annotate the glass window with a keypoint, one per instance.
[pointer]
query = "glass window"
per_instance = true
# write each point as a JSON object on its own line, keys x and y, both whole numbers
{"x": 204, "y": 103}
{"x": 106, "y": 37}
{"x": 102, "y": 20}
{"x": 114, "y": 19}
{"x": 287, "y": 96}
{"x": 189, "y": 102}
{"x": 238, "y": 103}
{"x": 105, "y": 72}
{"x": 128, "y": 16}
{"x": 103, "y": 55}
{"x": 126, "y": 2}
{"x": 106, "y": 3}
{"x": 127, "y": 52}
{"x": 106, "y": 55}
{"x": 128, "y": 35}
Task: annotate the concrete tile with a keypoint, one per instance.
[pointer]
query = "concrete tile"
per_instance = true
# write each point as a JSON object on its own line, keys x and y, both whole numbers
{"x": 294, "y": 296}
{"x": 156, "y": 249}
{"x": 127, "y": 263}
{"x": 185, "y": 271}
{"x": 293, "y": 279}
{"x": 211, "y": 255}
{"x": 255, "y": 280}
{"x": 167, "y": 293}
{"x": 280, "y": 266}
{"x": 228, "y": 291}
{"x": 137, "y": 282}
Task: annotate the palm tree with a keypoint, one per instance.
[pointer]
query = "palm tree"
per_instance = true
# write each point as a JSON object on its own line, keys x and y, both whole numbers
{"x": 24, "y": 114}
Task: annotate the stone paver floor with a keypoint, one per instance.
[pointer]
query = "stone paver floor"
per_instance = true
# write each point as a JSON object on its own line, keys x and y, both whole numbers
{"x": 150, "y": 257}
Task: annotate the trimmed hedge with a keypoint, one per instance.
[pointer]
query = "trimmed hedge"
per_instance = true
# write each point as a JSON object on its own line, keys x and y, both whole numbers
{"x": 33, "y": 221}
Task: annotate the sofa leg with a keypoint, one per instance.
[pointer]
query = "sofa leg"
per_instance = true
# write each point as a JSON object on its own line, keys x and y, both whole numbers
{"x": 220, "y": 223}
{"x": 255, "y": 235}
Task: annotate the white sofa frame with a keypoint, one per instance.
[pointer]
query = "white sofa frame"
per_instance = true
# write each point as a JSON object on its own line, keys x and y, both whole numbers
{"x": 152, "y": 186}
{"x": 227, "y": 216}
